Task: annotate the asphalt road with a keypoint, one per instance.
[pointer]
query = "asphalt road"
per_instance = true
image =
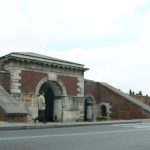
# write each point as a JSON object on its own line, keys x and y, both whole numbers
{"x": 99, "y": 137}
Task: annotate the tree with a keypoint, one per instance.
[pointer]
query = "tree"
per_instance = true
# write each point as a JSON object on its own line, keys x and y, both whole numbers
{"x": 130, "y": 92}
{"x": 140, "y": 93}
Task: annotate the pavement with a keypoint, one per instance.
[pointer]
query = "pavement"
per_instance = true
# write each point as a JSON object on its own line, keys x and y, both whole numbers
{"x": 23, "y": 126}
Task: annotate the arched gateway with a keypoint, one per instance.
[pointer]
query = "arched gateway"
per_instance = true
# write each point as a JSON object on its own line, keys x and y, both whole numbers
{"x": 55, "y": 93}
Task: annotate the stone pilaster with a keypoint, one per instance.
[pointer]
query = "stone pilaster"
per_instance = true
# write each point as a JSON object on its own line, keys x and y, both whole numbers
{"x": 80, "y": 90}
{"x": 15, "y": 81}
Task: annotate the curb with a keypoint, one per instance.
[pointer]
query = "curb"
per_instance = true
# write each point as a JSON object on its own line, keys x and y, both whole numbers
{"x": 14, "y": 126}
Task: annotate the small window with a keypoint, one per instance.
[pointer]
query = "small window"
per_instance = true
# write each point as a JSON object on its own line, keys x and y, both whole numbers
{"x": 103, "y": 110}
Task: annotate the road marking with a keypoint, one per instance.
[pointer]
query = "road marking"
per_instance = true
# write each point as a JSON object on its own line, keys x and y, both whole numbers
{"x": 143, "y": 125}
{"x": 125, "y": 125}
{"x": 71, "y": 134}
{"x": 130, "y": 124}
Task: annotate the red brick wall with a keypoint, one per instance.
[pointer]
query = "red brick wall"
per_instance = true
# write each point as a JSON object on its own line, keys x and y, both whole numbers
{"x": 16, "y": 118}
{"x": 70, "y": 84}
{"x": 5, "y": 81}
{"x": 2, "y": 116}
{"x": 140, "y": 98}
{"x": 90, "y": 88}
{"x": 29, "y": 81}
{"x": 121, "y": 108}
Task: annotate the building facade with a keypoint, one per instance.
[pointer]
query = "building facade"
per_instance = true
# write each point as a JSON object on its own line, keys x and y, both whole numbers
{"x": 69, "y": 97}
{"x": 61, "y": 81}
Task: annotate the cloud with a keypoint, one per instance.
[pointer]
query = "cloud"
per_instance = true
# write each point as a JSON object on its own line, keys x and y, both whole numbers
{"x": 58, "y": 20}
{"x": 11, "y": 19}
{"x": 109, "y": 37}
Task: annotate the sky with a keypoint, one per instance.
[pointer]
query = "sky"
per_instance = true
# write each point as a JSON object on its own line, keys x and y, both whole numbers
{"x": 110, "y": 37}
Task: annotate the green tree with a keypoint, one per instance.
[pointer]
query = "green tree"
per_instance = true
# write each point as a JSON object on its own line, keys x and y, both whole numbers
{"x": 130, "y": 92}
{"x": 140, "y": 93}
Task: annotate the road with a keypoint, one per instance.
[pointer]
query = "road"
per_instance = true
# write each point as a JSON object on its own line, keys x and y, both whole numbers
{"x": 99, "y": 137}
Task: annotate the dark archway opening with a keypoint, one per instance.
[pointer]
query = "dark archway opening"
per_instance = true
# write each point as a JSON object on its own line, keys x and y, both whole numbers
{"x": 49, "y": 101}
{"x": 103, "y": 111}
{"x": 85, "y": 110}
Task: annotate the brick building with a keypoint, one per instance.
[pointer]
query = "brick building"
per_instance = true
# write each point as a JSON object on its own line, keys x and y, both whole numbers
{"x": 107, "y": 102}
{"x": 68, "y": 95}
{"x": 24, "y": 75}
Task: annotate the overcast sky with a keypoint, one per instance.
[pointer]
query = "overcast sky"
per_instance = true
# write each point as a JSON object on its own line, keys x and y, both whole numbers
{"x": 111, "y": 37}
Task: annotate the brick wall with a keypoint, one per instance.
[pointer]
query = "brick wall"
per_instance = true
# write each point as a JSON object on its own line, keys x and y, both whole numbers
{"x": 70, "y": 84}
{"x": 121, "y": 108}
{"x": 5, "y": 80}
{"x": 2, "y": 116}
{"x": 142, "y": 99}
{"x": 16, "y": 118}
{"x": 29, "y": 80}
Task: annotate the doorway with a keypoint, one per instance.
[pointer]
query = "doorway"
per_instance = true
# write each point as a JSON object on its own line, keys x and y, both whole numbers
{"x": 53, "y": 99}
{"x": 88, "y": 112}
{"x": 49, "y": 101}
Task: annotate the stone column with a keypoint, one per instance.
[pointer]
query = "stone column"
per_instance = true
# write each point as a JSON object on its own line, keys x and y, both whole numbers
{"x": 58, "y": 110}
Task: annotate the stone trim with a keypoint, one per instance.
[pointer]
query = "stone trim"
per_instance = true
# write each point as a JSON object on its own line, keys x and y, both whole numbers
{"x": 92, "y": 97}
{"x": 108, "y": 110}
{"x": 45, "y": 79}
{"x": 80, "y": 84}
{"x": 15, "y": 81}
{"x": 43, "y": 60}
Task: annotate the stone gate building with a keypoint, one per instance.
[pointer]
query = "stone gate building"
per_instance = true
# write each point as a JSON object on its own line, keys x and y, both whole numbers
{"x": 68, "y": 95}
{"x": 61, "y": 81}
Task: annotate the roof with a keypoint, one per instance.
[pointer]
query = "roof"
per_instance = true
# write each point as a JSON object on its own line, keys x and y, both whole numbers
{"x": 38, "y": 58}
{"x": 9, "y": 104}
{"x": 126, "y": 96}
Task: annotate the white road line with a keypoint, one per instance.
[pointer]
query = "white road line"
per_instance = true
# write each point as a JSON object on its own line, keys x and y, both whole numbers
{"x": 71, "y": 134}
{"x": 130, "y": 124}
{"x": 143, "y": 125}
{"x": 126, "y": 125}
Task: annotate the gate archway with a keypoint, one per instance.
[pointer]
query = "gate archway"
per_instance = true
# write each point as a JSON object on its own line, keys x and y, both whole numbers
{"x": 49, "y": 101}
{"x": 54, "y": 96}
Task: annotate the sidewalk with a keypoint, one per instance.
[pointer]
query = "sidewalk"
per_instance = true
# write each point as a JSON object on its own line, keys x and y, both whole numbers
{"x": 23, "y": 126}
